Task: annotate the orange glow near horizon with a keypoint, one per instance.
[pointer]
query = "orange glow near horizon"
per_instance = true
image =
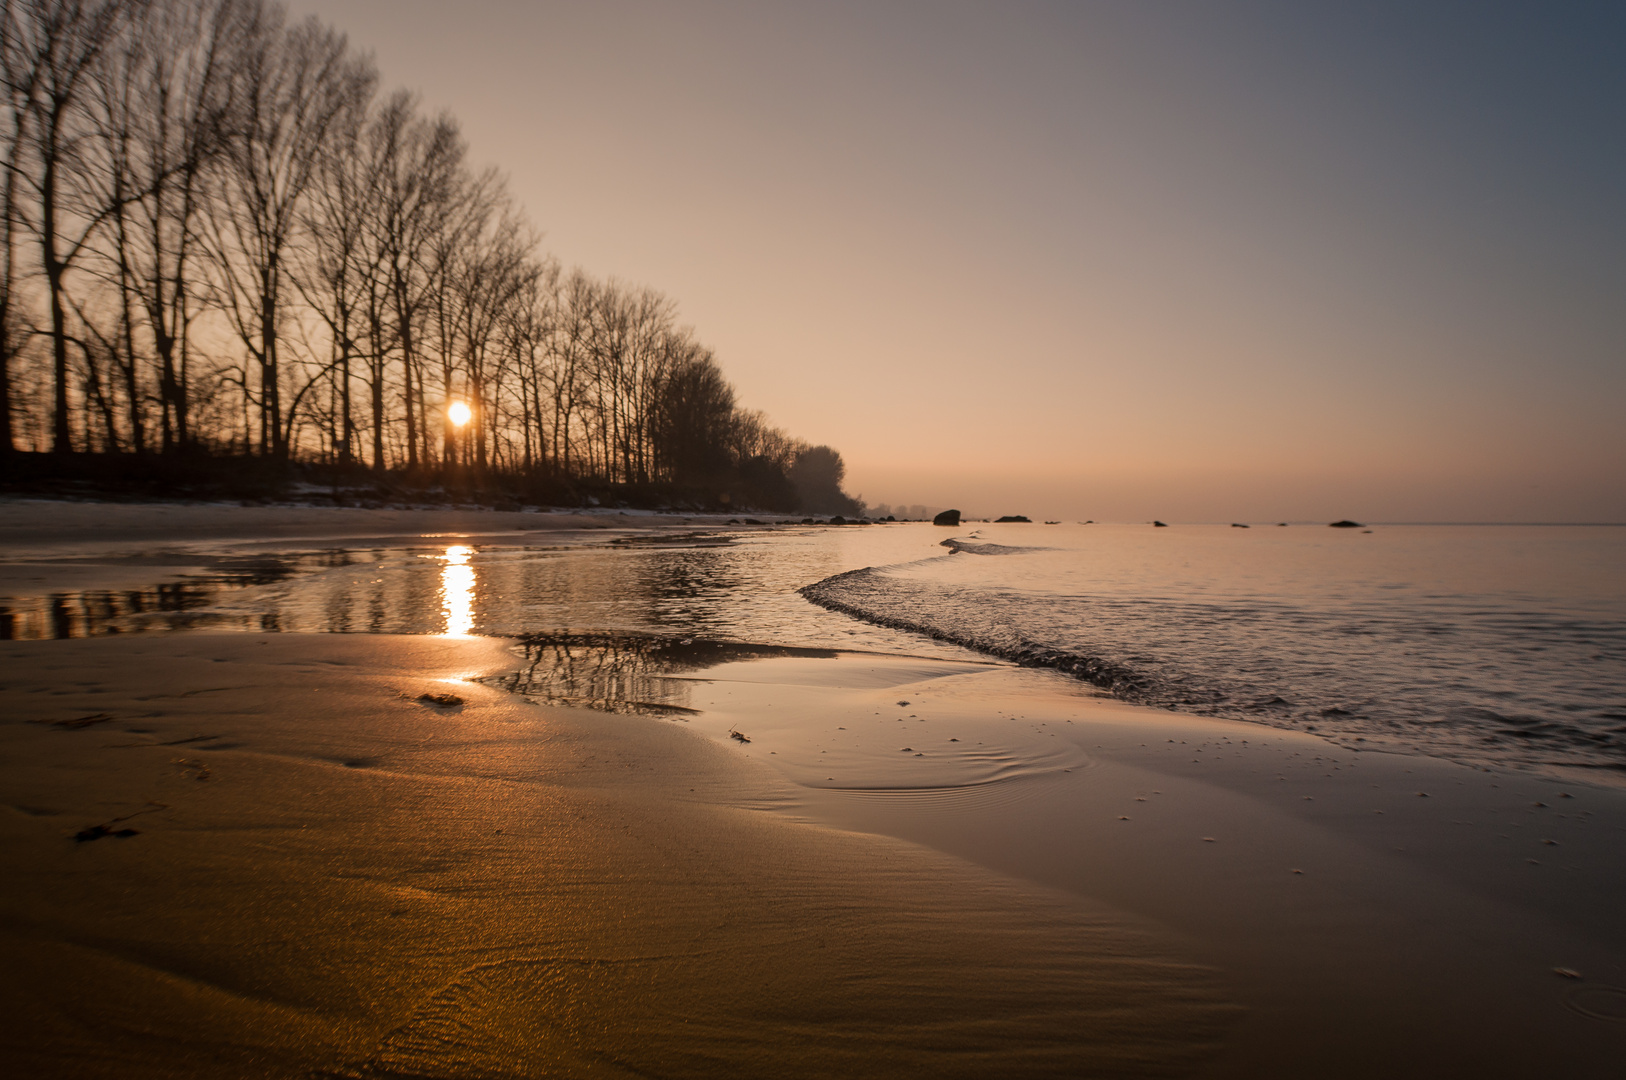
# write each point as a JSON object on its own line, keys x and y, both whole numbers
{"x": 457, "y": 592}
{"x": 458, "y": 413}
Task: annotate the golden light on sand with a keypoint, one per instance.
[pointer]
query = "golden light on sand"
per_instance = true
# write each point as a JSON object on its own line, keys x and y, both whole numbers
{"x": 458, "y": 413}
{"x": 457, "y": 591}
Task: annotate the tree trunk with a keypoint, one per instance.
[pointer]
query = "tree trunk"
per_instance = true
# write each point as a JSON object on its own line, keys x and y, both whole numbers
{"x": 61, "y": 433}
{"x": 271, "y": 444}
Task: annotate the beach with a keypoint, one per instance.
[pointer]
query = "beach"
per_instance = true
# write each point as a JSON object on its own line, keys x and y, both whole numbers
{"x": 737, "y": 540}
{"x": 293, "y": 854}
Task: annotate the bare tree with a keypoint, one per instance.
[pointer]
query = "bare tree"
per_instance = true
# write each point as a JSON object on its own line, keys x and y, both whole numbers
{"x": 55, "y": 44}
{"x": 291, "y": 86}
{"x": 423, "y": 200}
{"x": 529, "y": 328}
{"x": 488, "y": 278}
{"x": 19, "y": 76}
{"x": 566, "y": 375}
{"x": 336, "y": 267}
{"x": 178, "y": 102}
{"x": 693, "y": 417}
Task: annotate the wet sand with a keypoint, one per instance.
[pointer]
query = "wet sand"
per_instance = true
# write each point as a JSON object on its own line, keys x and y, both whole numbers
{"x": 1377, "y": 914}
{"x": 331, "y": 877}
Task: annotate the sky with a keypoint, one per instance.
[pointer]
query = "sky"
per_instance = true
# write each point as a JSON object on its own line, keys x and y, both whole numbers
{"x": 1196, "y": 261}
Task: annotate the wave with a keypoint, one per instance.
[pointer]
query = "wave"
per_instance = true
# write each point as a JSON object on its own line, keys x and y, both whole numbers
{"x": 855, "y": 593}
{"x": 977, "y": 547}
{"x": 1474, "y": 684}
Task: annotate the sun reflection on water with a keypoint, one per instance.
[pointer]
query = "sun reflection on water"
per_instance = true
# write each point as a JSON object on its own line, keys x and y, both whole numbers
{"x": 457, "y": 592}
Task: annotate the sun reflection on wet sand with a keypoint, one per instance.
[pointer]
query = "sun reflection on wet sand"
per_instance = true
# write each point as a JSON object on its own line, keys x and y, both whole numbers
{"x": 457, "y": 592}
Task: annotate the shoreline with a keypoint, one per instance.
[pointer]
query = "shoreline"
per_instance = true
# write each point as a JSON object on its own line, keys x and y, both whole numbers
{"x": 59, "y": 527}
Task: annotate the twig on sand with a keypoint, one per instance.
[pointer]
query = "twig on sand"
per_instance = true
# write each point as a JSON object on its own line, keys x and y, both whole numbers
{"x": 96, "y": 832}
{"x": 78, "y": 723}
{"x": 738, "y": 736}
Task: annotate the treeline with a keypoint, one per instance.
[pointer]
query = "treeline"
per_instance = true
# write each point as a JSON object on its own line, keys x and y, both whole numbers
{"x": 221, "y": 239}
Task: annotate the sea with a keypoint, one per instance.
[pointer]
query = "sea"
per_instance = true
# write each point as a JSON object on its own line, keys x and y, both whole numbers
{"x": 1493, "y": 645}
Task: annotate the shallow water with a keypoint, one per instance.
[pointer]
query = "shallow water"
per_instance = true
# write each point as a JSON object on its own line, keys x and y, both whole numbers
{"x": 1500, "y": 644}
{"x": 1491, "y": 644}
{"x": 739, "y": 586}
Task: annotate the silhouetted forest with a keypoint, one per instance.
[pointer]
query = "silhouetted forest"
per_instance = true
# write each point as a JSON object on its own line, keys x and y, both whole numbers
{"x": 223, "y": 241}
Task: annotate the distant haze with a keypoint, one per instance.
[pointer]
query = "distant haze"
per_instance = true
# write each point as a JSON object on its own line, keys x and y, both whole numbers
{"x": 1195, "y": 261}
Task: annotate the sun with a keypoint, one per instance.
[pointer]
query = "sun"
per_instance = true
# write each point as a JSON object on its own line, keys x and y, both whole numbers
{"x": 458, "y": 413}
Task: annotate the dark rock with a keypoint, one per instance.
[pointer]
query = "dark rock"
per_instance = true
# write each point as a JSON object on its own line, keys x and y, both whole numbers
{"x": 837, "y": 519}
{"x": 1012, "y": 518}
{"x": 1346, "y": 524}
{"x": 950, "y": 518}
{"x": 1161, "y": 524}
{"x": 441, "y": 701}
{"x": 1238, "y": 525}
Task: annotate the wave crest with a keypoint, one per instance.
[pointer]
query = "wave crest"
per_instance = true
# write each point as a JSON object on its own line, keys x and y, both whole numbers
{"x": 977, "y": 547}
{"x": 904, "y": 610}
{"x": 1369, "y": 676}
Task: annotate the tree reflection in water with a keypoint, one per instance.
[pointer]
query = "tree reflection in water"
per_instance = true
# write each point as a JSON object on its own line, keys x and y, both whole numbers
{"x": 170, "y": 605}
{"x": 626, "y": 673}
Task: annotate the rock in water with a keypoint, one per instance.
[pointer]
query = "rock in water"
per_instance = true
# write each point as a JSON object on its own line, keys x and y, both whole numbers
{"x": 950, "y": 518}
{"x": 1161, "y": 524}
{"x": 1346, "y": 524}
{"x": 1012, "y": 517}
